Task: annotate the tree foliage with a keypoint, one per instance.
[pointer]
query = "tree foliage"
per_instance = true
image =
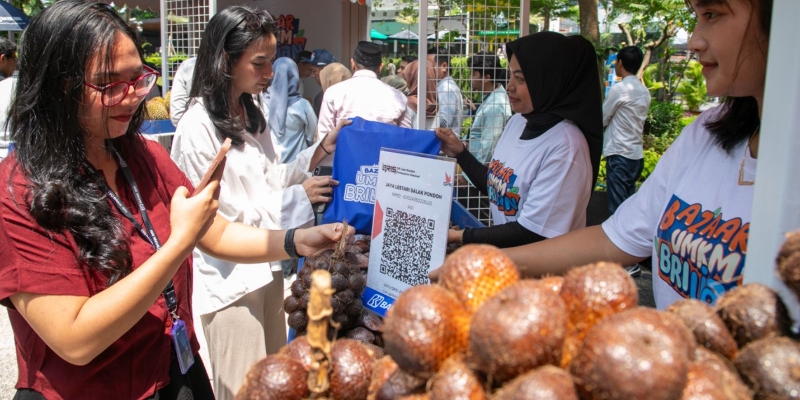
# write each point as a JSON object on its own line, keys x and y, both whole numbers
{"x": 652, "y": 23}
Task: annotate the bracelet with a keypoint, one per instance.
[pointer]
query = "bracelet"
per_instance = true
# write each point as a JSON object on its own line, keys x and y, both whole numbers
{"x": 461, "y": 238}
{"x": 288, "y": 244}
{"x": 323, "y": 149}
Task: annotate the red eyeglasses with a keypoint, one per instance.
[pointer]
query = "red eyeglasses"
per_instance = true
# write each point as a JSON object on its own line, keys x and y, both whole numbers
{"x": 113, "y": 93}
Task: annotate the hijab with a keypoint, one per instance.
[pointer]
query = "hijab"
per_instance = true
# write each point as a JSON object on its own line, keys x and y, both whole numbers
{"x": 282, "y": 93}
{"x": 411, "y": 77}
{"x": 397, "y": 82}
{"x": 332, "y": 74}
{"x": 564, "y": 83}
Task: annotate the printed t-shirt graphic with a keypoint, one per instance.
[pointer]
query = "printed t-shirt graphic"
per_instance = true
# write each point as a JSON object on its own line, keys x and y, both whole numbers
{"x": 700, "y": 253}
{"x": 502, "y": 192}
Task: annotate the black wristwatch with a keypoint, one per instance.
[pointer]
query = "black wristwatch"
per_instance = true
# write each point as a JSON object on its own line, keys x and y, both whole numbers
{"x": 288, "y": 244}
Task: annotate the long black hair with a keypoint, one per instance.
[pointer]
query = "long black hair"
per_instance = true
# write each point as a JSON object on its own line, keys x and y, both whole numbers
{"x": 56, "y": 49}
{"x": 739, "y": 117}
{"x": 227, "y": 36}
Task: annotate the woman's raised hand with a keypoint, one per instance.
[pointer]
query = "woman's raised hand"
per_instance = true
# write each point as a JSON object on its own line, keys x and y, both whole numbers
{"x": 451, "y": 144}
{"x": 329, "y": 141}
{"x": 319, "y": 188}
{"x": 190, "y": 217}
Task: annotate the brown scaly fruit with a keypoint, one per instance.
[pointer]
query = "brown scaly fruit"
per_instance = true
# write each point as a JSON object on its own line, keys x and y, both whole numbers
{"x": 351, "y": 366}
{"x": 388, "y": 381}
{"x": 591, "y": 293}
{"x": 545, "y": 383}
{"x": 298, "y": 350}
{"x": 706, "y": 325}
{"x": 519, "y": 329}
{"x": 771, "y": 367}
{"x": 789, "y": 262}
{"x": 753, "y": 312}
{"x": 637, "y": 354}
{"x": 712, "y": 377}
{"x": 476, "y": 272}
{"x": 276, "y": 377}
{"x": 456, "y": 381}
{"x": 425, "y": 326}
{"x": 156, "y": 110}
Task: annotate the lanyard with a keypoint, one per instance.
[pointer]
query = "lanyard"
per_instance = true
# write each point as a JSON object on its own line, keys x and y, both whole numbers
{"x": 147, "y": 231}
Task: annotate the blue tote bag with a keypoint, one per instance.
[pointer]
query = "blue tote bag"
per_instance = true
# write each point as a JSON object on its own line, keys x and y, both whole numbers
{"x": 355, "y": 166}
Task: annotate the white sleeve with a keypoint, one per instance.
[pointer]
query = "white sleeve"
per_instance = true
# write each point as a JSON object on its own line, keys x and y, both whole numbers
{"x": 327, "y": 115}
{"x": 560, "y": 191}
{"x": 610, "y": 105}
{"x": 276, "y": 205}
{"x": 632, "y": 227}
{"x": 180, "y": 93}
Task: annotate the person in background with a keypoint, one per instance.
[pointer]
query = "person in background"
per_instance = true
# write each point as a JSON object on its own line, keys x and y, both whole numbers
{"x": 303, "y": 61}
{"x": 181, "y": 87}
{"x": 97, "y": 223}
{"x": 332, "y": 74}
{"x": 290, "y": 118}
{"x": 624, "y": 112}
{"x": 7, "y": 87}
{"x": 410, "y": 74}
{"x": 542, "y": 171}
{"x": 404, "y": 61}
{"x": 240, "y": 306}
{"x": 8, "y": 58}
{"x": 487, "y": 78}
{"x": 451, "y": 100}
{"x": 363, "y": 95}
{"x": 320, "y": 58}
{"x": 702, "y": 184}
{"x": 397, "y": 82}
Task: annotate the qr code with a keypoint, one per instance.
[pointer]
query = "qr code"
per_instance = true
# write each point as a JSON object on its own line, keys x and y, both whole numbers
{"x": 407, "y": 245}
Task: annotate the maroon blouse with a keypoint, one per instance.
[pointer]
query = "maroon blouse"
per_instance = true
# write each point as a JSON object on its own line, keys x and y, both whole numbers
{"x": 38, "y": 261}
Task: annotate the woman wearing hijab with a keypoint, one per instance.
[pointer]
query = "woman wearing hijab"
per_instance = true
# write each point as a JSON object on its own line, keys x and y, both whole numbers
{"x": 431, "y": 108}
{"x": 397, "y": 82}
{"x": 332, "y": 74}
{"x": 543, "y": 168}
{"x": 291, "y": 119}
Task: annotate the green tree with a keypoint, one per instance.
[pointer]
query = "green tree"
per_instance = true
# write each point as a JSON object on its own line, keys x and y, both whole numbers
{"x": 652, "y": 24}
{"x": 549, "y": 9}
{"x": 31, "y": 8}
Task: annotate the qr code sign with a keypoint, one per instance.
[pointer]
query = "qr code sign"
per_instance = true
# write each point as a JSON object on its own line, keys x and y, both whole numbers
{"x": 407, "y": 245}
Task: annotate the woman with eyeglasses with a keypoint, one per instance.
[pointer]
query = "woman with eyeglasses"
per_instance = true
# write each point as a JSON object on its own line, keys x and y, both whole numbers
{"x": 241, "y": 305}
{"x": 97, "y": 225}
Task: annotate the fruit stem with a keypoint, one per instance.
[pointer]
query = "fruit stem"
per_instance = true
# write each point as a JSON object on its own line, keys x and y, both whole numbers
{"x": 319, "y": 312}
{"x": 342, "y": 243}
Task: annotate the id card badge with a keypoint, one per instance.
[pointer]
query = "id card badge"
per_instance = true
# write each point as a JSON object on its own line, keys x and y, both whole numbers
{"x": 180, "y": 342}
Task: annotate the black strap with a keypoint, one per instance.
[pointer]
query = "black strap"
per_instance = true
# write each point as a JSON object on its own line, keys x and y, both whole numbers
{"x": 147, "y": 231}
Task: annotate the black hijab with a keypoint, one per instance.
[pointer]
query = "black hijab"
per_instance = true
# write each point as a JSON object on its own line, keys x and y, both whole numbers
{"x": 563, "y": 81}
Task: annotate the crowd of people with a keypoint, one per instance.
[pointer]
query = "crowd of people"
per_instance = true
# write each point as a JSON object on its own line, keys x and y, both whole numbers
{"x": 108, "y": 255}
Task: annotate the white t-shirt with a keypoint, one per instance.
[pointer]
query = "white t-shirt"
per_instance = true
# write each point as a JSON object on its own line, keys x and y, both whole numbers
{"x": 256, "y": 189}
{"x": 692, "y": 216}
{"x": 544, "y": 183}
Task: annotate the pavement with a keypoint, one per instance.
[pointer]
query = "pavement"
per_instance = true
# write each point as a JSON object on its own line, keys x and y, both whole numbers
{"x": 8, "y": 357}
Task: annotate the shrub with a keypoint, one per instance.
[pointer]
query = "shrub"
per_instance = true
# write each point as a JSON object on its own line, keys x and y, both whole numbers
{"x": 693, "y": 87}
{"x": 686, "y": 121}
{"x": 663, "y": 119}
